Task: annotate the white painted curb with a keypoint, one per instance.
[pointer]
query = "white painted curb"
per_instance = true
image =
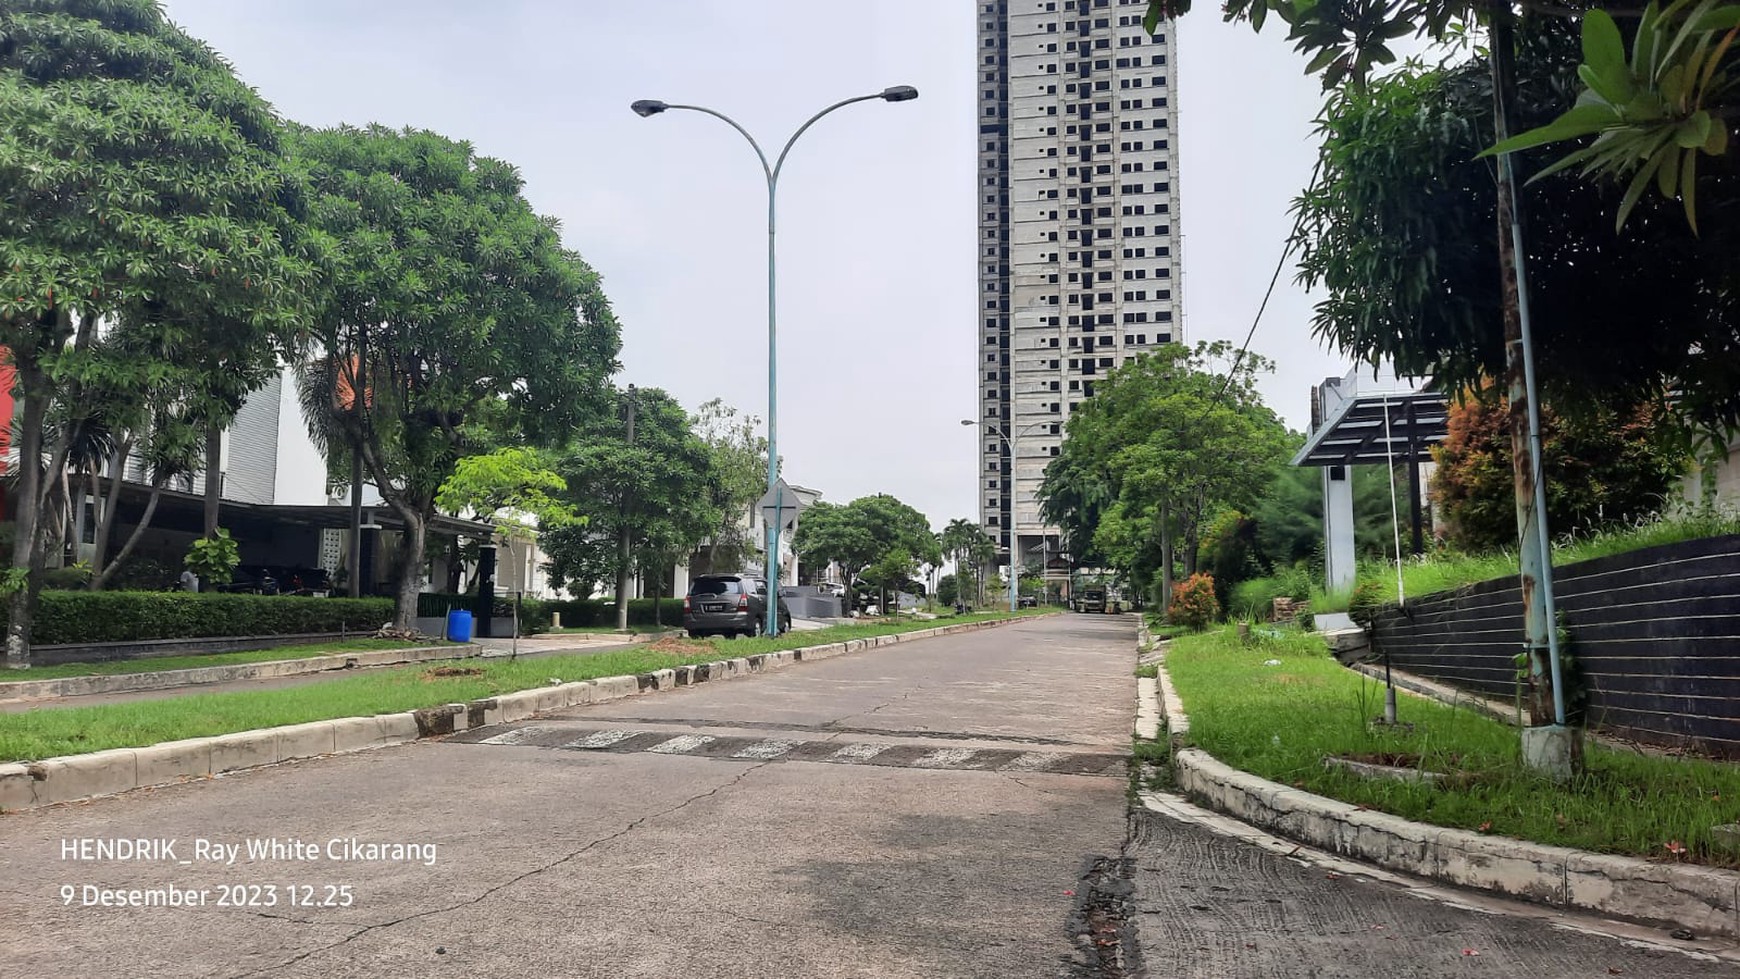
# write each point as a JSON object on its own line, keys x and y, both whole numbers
{"x": 1703, "y": 899}
{"x": 75, "y": 777}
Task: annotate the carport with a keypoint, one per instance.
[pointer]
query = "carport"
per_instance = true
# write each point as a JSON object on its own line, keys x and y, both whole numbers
{"x": 1364, "y": 421}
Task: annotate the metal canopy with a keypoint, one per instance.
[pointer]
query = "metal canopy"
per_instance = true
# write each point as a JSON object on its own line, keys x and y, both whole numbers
{"x": 1353, "y": 435}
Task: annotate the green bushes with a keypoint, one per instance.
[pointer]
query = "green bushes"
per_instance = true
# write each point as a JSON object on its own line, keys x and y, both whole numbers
{"x": 73, "y": 617}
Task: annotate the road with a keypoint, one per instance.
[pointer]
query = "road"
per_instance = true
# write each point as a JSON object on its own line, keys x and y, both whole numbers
{"x": 947, "y": 807}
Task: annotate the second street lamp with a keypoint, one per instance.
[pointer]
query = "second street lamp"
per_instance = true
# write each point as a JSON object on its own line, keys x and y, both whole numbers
{"x": 652, "y": 107}
{"x": 1014, "y": 537}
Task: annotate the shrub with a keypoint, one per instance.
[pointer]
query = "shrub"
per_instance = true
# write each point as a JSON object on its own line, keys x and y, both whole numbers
{"x": 1193, "y": 602}
{"x": 1367, "y": 598}
{"x": 76, "y": 617}
{"x": 68, "y": 578}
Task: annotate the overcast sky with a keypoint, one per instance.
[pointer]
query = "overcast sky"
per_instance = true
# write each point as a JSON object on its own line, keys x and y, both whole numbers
{"x": 877, "y": 230}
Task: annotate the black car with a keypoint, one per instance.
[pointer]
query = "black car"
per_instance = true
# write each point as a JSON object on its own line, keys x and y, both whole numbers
{"x": 729, "y": 605}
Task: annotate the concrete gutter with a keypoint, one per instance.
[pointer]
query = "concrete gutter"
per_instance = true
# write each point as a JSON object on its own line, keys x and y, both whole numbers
{"x": 84, "y": 686}
{"x": 1704, "y": 899}
{"x": 72, "y": 778}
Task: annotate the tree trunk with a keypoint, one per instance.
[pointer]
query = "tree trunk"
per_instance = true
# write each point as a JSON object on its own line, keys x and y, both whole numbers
{"x": 214, "y": 477}
{"x": 410, "y": 568}
{"x": 106, "y": 507}
{"x": 1165, "y": 561}
{"x": 101, "y": 578}
{"x": 27, "y": 499}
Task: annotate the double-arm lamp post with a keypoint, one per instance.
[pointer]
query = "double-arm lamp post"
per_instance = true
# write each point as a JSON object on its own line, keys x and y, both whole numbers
{"x": 1014, "y": 537}
{"x": 652, "y": 107}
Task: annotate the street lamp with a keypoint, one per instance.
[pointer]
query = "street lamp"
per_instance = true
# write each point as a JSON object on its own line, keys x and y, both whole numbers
{"x": 652, "y": 107}
{"x": 1014, "y": 538}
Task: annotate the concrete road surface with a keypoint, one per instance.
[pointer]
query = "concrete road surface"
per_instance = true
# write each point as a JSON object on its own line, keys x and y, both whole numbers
{"x": 946, "y": 807}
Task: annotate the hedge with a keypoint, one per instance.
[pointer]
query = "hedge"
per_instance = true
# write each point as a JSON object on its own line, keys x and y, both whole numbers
{"x": 77, "y": 617}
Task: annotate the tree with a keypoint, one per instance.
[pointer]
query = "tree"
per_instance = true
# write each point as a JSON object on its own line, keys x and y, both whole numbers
{"x": 739, "y": 478}
{"x": 1606, "y": 469}
{"x": 967, "y": 545}
{"x": 1655, "y": 114}
{"x": 948, "y": 589}
{"x": 1288, "y": 517}
{"x": 454, "y": 321}
{"x": 1397, "y": 228}
{"x": 866, "y": 531}
{"x": 145, "y": 189}
{"x": 1171, "y": 440}
{"x": 657, "y": 489}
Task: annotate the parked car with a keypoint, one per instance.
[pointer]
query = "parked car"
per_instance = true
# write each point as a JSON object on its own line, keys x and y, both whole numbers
{"x": 1091, "y": 600}
{"x": 729, "y": 605}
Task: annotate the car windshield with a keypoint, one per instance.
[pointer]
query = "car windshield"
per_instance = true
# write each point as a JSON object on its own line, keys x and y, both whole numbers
{"x": 714, "y": 586}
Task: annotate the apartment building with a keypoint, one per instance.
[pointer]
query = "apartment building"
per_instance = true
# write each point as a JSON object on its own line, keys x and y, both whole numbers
{"x": 1078, "y": 241}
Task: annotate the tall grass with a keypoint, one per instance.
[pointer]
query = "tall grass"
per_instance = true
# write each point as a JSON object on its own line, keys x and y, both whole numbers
{"x": 1280, "y": 721}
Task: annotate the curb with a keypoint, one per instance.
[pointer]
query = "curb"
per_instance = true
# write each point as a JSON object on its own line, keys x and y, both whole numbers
{"x": 74, "y": 778}
{"x": 84, "y": 686}
{"x": 1703, "y": 899}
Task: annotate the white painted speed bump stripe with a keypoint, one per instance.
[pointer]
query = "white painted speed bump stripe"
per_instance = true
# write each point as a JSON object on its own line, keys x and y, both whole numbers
{"x": 680, "y": 744}
{"x": 1032, "y": 761}
{"x": 859, "y": 752}
{"x": 600, "y": 739}
{"x": 944, "y": 758}
{"x": 515, "y": 736}
{"x": 767, "y": 749}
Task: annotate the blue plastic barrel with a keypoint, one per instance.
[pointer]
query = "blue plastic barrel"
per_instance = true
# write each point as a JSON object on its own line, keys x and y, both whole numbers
{"x": 458, "y": 625}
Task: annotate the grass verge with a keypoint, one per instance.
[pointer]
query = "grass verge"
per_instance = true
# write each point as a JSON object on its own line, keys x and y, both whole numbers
{"x": 1280, "y": 721}
{"x": 157, "y": 664}
{"x": 49, "y": 732}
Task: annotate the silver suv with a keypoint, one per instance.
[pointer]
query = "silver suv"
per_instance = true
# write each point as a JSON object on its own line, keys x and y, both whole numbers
{"x": 729, "y": 605}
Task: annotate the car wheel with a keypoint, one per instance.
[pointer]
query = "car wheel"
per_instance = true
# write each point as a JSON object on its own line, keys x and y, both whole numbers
{"x": 693, "y": 634}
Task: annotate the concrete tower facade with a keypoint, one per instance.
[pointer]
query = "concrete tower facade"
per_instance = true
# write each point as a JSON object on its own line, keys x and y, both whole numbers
{"x": 1078, "y": 242}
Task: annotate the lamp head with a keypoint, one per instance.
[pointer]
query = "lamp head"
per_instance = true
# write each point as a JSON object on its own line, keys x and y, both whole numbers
{"x": 899, "y": 93}
{"x": 968, "y": 422}
{"x": 648, "y": 107}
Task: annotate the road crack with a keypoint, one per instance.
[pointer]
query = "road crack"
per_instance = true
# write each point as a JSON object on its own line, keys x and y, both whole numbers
{"x": 490, "y": 891}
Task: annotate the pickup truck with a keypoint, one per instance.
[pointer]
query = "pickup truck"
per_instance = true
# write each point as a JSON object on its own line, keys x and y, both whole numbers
{"x": 1091, "y": 600}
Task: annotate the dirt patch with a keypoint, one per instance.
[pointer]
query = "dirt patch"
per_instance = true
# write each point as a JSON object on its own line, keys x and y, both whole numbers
{"x": 441, "y": 672}
{"x": 673, "y": 646}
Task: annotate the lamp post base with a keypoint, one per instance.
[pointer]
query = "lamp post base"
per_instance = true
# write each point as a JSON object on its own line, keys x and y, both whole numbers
{"x": 1554, "y": 751}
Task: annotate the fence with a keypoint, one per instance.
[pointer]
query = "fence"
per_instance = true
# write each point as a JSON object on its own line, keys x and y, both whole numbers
{"x": 1655, "y": 635}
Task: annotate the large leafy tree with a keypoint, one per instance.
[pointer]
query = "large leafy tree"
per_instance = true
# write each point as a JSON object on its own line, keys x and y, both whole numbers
{"x": 140, "y": 185}
{"x": 454, "y": 320}
{"x": 657, "y": 490}
{"x": 1174, "y": 439}
{"x": 866, "y": 531}
{"x": 739, "y": 478}
{"x": 1397, "y": 229}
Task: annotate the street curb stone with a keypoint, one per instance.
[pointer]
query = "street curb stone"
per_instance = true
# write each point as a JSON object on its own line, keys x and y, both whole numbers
{"x": 85, "y": 686}
{"x": 1704, "y": 899}
{"x": 76, "y": 777}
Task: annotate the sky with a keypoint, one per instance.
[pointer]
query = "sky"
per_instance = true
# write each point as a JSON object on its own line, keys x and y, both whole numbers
{"x": 877, "y": 228}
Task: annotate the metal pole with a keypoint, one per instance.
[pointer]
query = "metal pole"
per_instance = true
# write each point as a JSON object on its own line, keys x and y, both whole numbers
{"x": 900, "y": 93}
{"x": 1014, "y": 529}
{"x": 771, "y": 627}
{"x": 622, "y": 536}
{"x": 1539, "y": 611}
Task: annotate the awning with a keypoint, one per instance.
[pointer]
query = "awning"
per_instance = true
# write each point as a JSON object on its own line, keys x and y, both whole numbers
{"x": 1354, "y": 433}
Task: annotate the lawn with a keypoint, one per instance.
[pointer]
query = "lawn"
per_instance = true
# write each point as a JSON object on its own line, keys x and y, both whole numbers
{"x": 157, "y": 664}
{"x": 1280, "y": 721}
{"x": 49, "y": 732}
